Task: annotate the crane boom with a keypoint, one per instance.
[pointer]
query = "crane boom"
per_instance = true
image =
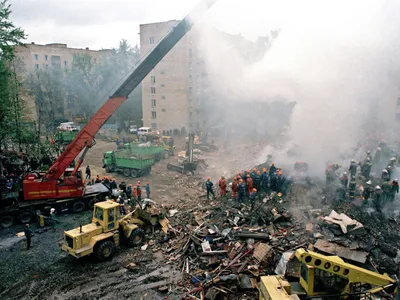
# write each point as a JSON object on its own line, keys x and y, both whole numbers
{"x": 86, "y": 135}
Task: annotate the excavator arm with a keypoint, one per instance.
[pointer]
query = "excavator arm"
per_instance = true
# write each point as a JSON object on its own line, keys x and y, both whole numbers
{"x": 86, "y": 136}
{"x": 335, "y": 265}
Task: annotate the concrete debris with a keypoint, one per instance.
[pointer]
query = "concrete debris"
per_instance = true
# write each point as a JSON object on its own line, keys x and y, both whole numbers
{"x": 343, "y": 252}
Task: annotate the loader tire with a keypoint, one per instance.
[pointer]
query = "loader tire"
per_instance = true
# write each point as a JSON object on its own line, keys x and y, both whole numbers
{"x": 136, "y": 238}
{"x": 6, "y": 221}
{"x": 105, "y": 250}
{"x": 166, "y": 154}
{"x": 108, "y": 169}
{"x": 78, "y": 207}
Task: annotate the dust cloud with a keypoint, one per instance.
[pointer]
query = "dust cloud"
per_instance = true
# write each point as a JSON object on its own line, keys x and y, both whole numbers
{"x": 337, "y": 60}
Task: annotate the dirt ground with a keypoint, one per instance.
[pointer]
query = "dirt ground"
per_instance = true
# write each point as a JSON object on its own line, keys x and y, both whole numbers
{"x": 45, "y": 272}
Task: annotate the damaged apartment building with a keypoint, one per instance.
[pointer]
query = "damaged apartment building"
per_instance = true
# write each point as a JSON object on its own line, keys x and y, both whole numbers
{"x": 183, "y": 89}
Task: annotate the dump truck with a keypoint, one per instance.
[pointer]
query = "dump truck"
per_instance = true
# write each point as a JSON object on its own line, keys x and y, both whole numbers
{"x": 325, "y": 277}
{"x": 103, "y": 235}
{"x": 146, "y": 150}
{"x": 64, "y": 137}
{"x": 127, "y": 163}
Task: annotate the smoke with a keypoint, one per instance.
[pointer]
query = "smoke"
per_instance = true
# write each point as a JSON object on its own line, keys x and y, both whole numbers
{"x": 338, "y": 61}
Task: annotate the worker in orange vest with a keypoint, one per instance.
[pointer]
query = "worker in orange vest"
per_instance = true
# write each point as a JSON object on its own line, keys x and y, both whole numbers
{"x": 222, "y": 186}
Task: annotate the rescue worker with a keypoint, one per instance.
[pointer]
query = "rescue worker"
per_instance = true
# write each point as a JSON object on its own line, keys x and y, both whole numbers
{"x": 368, "y": 189}
{"x": 113, "y": 185}
{"x": 329, "y": 175}
{"x": 242, "y": 190}
{"x": 88, "y": 172}
{"x": 257, "y": 180}
{"x": 272, "y": 170}
{"x": 134, "y": 194}
{"x": 222, "y": 186}
{"x": 122, "y": 186}
{"x": 28, "y": 235}
{"x": 344, "y": 180}
{"x": 395, "y": 189}
{"x": 353, "y": 168}
{"x": 392, "y": 162}
{"x": 129, "y": 191}
{"x": 148, "y": 190}
{"x": 97, "y": 179}
{"x": 352, "y": 187}
{"x": 366, "y": 168}
{"x": 253, "y": 174}
{"x": 378, "y": 198}
{"x": 139, "y": 191}
{"x": 265, "y": 180}
{"x": 234, "y": 188}
{"x": 273, "y": 181}
{"x": 369, "y": 156}
{"x": 389, "y": 169}
{"x": 121, "y": 202}
{"x": 209, "y": 187}
{"x": 249, "y": 184}
{"x": 385, "y": 175}
{"x": 378, "y": 156}
{"x": 280, "y": 181}
{"x": 387, "y": 191}
{"x": 252, "y": 198}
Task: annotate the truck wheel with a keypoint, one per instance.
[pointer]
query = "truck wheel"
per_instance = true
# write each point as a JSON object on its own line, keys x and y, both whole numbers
{"x": 166, "y": 154}
{"x": 105, "y": 250}
{"x": 127, "y": 172}
{"x": 78, "y": 207}
{"x": 6, "y": 221}
{"x": 90, "y": 204}
{"x": 108, "y": 169}
{"x": 25, "y": 217}
{"x": 136, "y": 238}
{"x": 134, "y": 173}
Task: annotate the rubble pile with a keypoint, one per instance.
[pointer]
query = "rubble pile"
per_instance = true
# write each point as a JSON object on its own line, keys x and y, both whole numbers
{"x": 223, "y": 247}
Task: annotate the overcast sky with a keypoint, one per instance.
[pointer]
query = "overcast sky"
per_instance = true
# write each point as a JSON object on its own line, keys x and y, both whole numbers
{"x": 102, "y": 23}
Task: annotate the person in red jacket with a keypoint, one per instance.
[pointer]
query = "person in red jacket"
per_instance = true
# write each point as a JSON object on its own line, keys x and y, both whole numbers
{"x": 222, "y": 186}
{"x": 249, "y": 182}
{"x": 234, "y": 188}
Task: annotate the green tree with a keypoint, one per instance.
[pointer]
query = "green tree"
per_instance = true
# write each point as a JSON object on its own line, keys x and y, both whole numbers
{"x": 10, "y": 100}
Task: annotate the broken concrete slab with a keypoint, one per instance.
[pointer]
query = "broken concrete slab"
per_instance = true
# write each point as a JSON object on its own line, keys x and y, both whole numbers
{"x": 343, "y": 252}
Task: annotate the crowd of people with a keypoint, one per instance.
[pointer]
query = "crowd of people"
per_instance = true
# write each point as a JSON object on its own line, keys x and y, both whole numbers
{"x": 360, "y": 182}
{"x": 123, "y": 193}
{"x": 249, "y": 184}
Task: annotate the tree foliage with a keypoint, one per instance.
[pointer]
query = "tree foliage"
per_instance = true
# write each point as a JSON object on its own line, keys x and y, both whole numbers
{"x": 11, "y": 108}
{"x": 83, "y": 87}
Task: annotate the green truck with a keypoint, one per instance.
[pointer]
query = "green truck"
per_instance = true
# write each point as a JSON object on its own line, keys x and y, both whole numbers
{"x": 146, "y": 150}
{"x": 127, "y": 163}
{"x": 65, "y": 137}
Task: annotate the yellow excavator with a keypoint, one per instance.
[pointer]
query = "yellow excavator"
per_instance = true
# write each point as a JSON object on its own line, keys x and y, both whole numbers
{"x": 326, "y": 277}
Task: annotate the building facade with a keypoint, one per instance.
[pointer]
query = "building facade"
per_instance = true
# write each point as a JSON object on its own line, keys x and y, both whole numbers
{"x": 35, "y": 57}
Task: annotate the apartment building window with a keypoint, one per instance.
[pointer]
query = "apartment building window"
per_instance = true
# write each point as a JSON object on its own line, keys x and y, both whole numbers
{"x": 65, "y": 63}
{"x": 46, "y": 66}
{"x": 190, "y": 115}
{"x": 154, "y": 115}
{"x": 190, "y": 89}
{"x": 151, "y": 40}
{"x": 154, "y": 126}
{"x": 162, "y": 72}
{"x": 46, "y": 57}
{"x": 163, "y": 110}
{"x": 37, "y": 66}
{"x": 153, "y": 103}
{"x": 163, "y": 85}
{"x": 36, "y": 56}
{"x": 153, "y": 79}
{"x": 153, "y": 90}
{"x": 162, "y": 97}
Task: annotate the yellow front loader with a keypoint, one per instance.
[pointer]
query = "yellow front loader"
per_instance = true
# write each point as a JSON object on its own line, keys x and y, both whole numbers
{"x": 102, "y": 236}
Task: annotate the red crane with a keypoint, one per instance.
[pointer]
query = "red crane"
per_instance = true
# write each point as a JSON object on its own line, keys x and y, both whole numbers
{"x": 52, "y": 185}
